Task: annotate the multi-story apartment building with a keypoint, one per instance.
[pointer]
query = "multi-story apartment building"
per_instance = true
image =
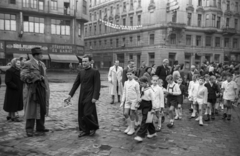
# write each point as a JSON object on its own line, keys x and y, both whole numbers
{"x": 198, "y": 30}
{"x": 54, "y": 25}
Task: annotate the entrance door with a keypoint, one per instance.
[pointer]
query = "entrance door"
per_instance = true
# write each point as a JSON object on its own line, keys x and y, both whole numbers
{"x": 120, "y": 58}
{"x": 172, "y": 58}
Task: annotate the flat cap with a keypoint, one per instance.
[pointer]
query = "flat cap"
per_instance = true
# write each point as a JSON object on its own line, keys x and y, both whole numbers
{"x": 36, "y": 50}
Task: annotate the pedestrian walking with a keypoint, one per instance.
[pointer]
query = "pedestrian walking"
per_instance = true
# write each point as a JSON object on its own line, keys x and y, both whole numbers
{"x": 33, "y": 74}
{"x": 213, "y": 91}
{"x": 13, "y": 101}
{"x": 115, "y": 80}
{"x": 163, "y": 71}
{"x": 89, "y": 79}
{"x": 230, "y": 95}
{"x": 147, "y": 106}
{"x": 148, "y": 74}
{"x": 130, "y": 98}
{"x": 178, "y": 110}
{"x": 158, "y": 100}
{"x": 173, "y": 91}
{"x": 201, "y": 99}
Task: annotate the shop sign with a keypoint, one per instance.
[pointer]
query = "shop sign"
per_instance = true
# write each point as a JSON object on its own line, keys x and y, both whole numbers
{"x": 62, "y": 49}
{"x": 13, "y": 47}
{"x": 79, "y": 50}
{"x": 1, "y": 46}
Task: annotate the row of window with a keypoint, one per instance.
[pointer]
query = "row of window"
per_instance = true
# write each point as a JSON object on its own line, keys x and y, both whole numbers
{"x": 36, "y": 25}
{"x": 39, "y": 4}
{"x": 215, "y": 21}
{"x": 218, "y": 4}
{"x": 173, "y": 40}
{"x": 124, "y": 5}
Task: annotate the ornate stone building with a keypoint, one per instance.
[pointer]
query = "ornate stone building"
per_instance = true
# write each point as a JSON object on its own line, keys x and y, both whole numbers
{"x": 198, "y": 30}
{"x": 57, "y": 26}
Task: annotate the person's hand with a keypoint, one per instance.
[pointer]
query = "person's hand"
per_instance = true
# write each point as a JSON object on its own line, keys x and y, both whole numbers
{"x": 69, "y": 98}
{"x": 140, "y": 100}
{"x": 94, "y": 100}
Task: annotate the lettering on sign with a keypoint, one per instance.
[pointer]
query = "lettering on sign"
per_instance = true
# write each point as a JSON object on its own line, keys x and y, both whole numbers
{"x": 24, "y": 47}
{"x": 62, "y": 49}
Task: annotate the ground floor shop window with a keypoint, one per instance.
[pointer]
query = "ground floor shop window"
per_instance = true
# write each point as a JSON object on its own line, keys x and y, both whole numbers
{"x": 120, "y": 58}
{"x": 151, "y": 59}
{"x": 172, "y": 58}
{"x": 217, "y": 58}
{"x": 197, "y": 60}
{"x": 188, "y": 61}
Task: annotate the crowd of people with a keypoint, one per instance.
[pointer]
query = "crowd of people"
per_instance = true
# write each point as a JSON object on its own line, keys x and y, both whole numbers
{"x": 161, "y": 90}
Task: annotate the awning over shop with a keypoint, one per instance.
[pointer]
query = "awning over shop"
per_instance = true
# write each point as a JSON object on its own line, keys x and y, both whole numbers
{"x": 2, "y": 55}
{"x": 64, "y": 58}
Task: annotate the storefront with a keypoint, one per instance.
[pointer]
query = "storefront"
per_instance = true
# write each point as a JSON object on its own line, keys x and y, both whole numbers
{"x": 102, "y": 60}
{"x": 2, "y": 54}
{"x": 62, "y": 56}
{"x": 17, "y": 50}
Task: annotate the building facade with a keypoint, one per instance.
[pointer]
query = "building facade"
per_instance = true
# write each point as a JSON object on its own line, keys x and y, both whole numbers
{"x": 54, "y": 25}
{"x": 196, "y": 31}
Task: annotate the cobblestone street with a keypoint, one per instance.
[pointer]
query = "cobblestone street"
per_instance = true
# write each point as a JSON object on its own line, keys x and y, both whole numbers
{"x": 187, "y": 138}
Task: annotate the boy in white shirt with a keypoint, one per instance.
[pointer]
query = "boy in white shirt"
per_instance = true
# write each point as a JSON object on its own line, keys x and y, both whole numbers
{"x": 192, "y": 91}
{"x": 158, "y": 100}
{"x": 131, "y": 96}
{"x": 229, "y": 88}
{"x": 173, "y": 91}
{"x": 201, "y": 99}
{"x": 147, "y": 104}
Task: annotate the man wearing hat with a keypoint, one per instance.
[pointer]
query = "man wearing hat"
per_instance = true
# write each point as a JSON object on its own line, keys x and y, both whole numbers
{"x": 34, "y": 75}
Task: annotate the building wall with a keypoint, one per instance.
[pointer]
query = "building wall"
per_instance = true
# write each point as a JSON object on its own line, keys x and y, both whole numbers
{"x": 156, "y": 20}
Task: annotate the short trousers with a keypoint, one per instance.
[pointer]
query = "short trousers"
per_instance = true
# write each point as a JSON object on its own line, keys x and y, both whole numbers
{"x": 212, "y": 101}
{"x": 228, "y": 102}
{"x": 199, "y": 101}
{"x": 172, "y": 101}
{"x": 180, "y": 99}
{"x": 131, "y": 104}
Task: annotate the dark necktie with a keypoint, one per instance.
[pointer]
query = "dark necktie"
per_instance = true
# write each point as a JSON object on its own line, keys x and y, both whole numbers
{"x": 41, "y": 69}
{"x": 116, "y": 68}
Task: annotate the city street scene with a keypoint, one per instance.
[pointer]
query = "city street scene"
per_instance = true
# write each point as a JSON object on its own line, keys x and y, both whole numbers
{"x": 119, "y": 77}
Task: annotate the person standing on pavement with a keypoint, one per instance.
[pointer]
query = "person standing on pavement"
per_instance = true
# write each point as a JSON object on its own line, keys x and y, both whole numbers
{"x": 163, "y": 71}
{"x": 124, "y": 74}
{"x": 115, "y": 79}
{"x": 33, "y": 74}
{"x": 13, "y": 101}
{"x": 142, "y": 69}
{"x": 89, "y": 79}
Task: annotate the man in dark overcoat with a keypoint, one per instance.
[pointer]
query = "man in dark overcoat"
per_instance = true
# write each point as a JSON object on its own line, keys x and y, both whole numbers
{"x": 33, "y": 74}
{"x": 163, "y": 71}
{"x": 89, "y": 79}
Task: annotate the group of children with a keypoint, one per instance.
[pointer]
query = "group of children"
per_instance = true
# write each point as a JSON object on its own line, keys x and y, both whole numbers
{"x": 203, "y": 93}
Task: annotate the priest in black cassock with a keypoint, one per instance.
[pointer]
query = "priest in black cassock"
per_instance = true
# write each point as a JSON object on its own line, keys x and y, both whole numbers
{"x": 89, "y": 79}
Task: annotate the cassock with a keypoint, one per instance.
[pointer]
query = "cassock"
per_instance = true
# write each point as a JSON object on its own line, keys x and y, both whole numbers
{"x": 90, "y": 89}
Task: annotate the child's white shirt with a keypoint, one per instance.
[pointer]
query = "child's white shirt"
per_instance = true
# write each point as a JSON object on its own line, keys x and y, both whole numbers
{"x": 149, "y": 95}
{"x": 193, "y": 89}
{"x": 131, "y": 91}
{"x": 159, "y": 96}
{"x": 175, "y": 89}
{"x": 229, "y": 90}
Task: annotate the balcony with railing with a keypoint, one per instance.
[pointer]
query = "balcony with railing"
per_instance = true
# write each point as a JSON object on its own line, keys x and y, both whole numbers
{"x": 229, "y": 31}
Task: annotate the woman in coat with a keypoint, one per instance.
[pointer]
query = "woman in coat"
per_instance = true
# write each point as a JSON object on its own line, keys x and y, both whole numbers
{"x": 13, "y": 101}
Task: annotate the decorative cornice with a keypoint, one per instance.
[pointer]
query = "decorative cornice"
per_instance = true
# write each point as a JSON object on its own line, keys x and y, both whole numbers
{"x": 152, "y": 6}
{"x": 213, "y": 9}
{"x": 200, "y": 9}
{"x": 228, "y": 13}
{"x": 190, "y": 8}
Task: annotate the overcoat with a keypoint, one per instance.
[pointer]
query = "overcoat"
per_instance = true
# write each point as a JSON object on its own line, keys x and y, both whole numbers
{"x": 30, "y": 74}
{"x": 115, "y": 79}
{"x": 13, "y": 101}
